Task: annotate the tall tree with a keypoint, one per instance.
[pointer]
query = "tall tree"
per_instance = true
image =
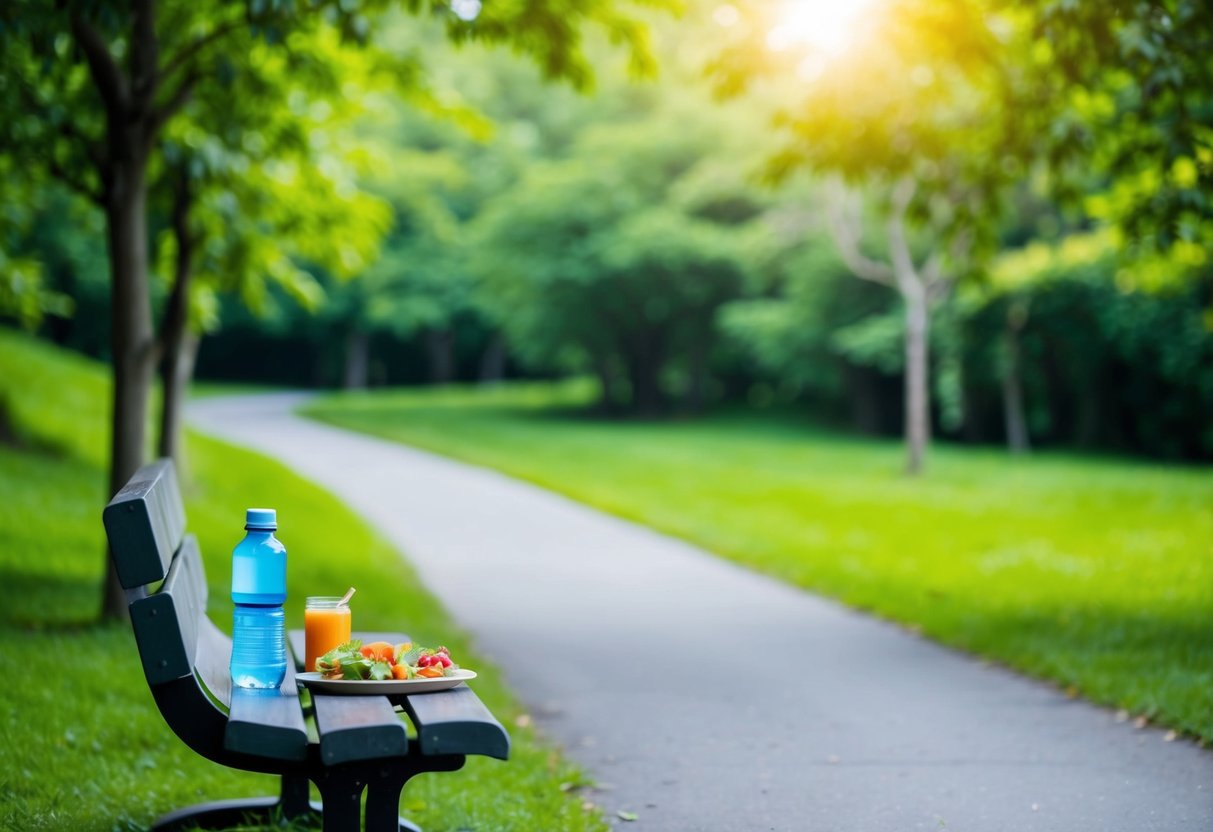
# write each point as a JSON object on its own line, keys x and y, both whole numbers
{"x": 920, "y": 285}
{"x": 88, "y": 88}
{"x": 921, "y": 112}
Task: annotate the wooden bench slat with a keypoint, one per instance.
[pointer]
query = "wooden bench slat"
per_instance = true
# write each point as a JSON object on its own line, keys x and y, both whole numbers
{"x": 166, "y": 623}
{"x": 212, "y": 663}
{"x": 145, "y": 523}
{"x": 358, "y": 728}
{"x": 268, "y": 723}
{"x": 456, "y": 722}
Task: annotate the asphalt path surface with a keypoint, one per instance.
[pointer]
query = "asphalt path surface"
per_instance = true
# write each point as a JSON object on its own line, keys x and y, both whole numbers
{"x": 702, "y": 696}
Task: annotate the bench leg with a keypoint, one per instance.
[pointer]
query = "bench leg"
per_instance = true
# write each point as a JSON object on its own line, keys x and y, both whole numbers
{"x": 341, "y": 798}
{"x": 296, "y": 802}
{"x": 386, "y": 783}
{"x": 292, "y": 804}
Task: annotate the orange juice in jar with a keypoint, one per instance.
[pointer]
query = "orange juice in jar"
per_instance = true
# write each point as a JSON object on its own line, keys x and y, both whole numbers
{"x": 326, "y": 624}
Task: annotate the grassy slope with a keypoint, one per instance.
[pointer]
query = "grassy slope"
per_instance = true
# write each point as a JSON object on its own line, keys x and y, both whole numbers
{"x": 79, "y": 734}
{"x": 1095, "y": 573}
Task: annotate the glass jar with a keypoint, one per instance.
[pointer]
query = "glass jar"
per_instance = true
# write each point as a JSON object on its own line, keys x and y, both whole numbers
{"x": 325, "y": 625}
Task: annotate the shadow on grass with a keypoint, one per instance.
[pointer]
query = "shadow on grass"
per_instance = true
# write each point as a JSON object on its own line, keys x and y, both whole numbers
{"x": 37, "y": 601}
{"x": 16, "y": 437}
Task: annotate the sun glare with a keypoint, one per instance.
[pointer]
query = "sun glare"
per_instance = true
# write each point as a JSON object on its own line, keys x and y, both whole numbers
{"x": 827, "y": 27}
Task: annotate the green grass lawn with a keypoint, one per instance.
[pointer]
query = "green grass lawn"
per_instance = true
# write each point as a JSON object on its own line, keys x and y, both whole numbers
{"x": 1096, "y": 573}
{"x": 82, "y": 743}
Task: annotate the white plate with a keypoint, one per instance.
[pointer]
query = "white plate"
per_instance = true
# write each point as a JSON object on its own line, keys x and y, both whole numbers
{"x": 386, "y": 687}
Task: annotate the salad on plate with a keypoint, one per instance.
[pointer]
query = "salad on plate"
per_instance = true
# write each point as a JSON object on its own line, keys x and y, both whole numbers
{"x": 381, "y": 661}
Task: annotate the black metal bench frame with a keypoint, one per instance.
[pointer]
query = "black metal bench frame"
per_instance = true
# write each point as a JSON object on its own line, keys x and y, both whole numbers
{"x": 358, "y": 743}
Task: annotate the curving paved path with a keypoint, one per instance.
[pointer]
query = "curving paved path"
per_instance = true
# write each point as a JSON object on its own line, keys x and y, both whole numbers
{"x": 853, "y": 725}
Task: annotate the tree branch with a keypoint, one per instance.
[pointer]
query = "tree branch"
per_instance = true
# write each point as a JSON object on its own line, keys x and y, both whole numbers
{"x": 844, "y": 221}
{"x": 65, "y": 127}
{"x": 937, "y": 285}
{"x": 192, "y": 50}
{"x": 176, "y": 100}
{"x": 76, "y": 184}
{"x": 962, "y": 243}
{"x": 106, "y": 75}
{"x": 68, "y": 131}
{"x": 899, "y": 245}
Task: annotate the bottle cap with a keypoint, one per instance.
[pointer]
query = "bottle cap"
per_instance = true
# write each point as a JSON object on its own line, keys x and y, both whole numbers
{"x": 261, "y": 518}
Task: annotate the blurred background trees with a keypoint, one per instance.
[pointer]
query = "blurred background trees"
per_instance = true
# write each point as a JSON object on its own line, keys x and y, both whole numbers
{"x": 367, "y": 199}
{"x": 90, "y": 90}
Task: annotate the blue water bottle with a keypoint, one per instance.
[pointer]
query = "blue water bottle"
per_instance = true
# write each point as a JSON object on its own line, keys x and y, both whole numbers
{"x": 259, "y": 591}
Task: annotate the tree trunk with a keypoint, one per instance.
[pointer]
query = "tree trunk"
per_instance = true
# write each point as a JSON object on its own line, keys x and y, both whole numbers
{"x": 440, "y": 345}
{"x": 646, "y": 387}
{"x": 1087, "y": 415}
{"x": 131, "y": 340}
{"x": 176, "y": 373}
{"x": 179, "y": 347}
{"x": 492, "y": 360}
{"x": 864, "y": 400}
{"x": 701, "y": 351}
{"x": 606, "y": 382}
{"x": 1012, "y": 395}
{"x": 132, "y": 119}
{"x": 918, "y": 413}
{"x": 357, "y": 360}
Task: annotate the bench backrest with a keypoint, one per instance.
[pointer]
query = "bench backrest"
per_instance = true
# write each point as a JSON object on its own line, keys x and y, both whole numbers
{"x": 184, "y": 655}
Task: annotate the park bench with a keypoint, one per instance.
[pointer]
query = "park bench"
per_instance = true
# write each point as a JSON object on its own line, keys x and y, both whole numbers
{"x": 344, "y": 744}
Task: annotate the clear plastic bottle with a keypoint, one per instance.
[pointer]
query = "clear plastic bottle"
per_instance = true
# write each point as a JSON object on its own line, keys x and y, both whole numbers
{"x": 259, "y": 591}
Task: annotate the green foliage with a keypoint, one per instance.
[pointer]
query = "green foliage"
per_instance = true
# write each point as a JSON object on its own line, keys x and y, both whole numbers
{"x": 51, "y": 543}
{"x": 929, "y": 94}
{"x": 1110, "y": 364}
{"x": 874, "y": 341}
{"x": 420, "y": 283}
{"x": 616, "y": 258}
{"x": 812, "y": 316}
{"x": 88, "y": 92}
{"x": 25, "y": 295}
{"x": 1090, "y": 572}
{"x": 270, "y": 176}
{"x": 1131, "y": 100}
{"x": 1103, "y": 363}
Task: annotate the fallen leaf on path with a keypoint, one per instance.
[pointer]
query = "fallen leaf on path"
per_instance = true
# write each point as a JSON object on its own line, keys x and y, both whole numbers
{"x": 627, "y": 815}
{"x": 1170, "y": 736}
